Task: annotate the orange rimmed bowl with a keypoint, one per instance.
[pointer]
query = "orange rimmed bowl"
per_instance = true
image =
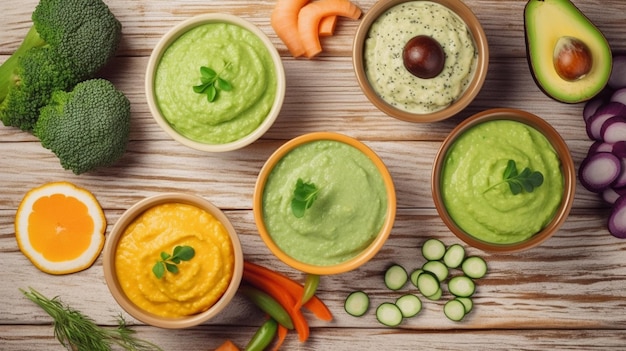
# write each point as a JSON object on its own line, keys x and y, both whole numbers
{"x": 115, "y": 285}
{"x": 362, "y": 256}
{"x": 567, "y": 171}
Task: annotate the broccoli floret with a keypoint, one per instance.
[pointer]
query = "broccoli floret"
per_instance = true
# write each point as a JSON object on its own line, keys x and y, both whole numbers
{"x": 39, "y": 77}
{"x": 87, "y": 127}
{"x": 84, "y": 32}
{"x": 69, "y": 41}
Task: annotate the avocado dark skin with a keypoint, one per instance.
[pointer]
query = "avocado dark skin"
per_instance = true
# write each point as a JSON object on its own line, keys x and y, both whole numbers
{"x": 568, "y": 56}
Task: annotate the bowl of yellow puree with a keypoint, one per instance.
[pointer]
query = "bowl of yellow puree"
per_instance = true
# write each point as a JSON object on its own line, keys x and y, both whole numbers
{"x": 173, "y": 261}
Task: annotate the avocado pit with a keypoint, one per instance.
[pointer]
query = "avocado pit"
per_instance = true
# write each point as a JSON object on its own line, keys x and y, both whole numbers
{"x": 423, "y": 57}
{"x": 572, "y": 58}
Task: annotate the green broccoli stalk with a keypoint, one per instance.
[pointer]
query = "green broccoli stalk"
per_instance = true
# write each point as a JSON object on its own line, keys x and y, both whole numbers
{"x": 87, "y": 127}
{"x": 69, "y": 41}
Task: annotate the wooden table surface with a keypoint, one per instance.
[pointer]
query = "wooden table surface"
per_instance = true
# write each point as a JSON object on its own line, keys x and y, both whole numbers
{"x": 568, "y": 293}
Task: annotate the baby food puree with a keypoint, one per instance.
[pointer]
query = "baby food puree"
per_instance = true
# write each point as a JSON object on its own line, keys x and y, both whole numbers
{"x": 237, "y": 56}
{"x": 384, "y": 64}
{"x": 347, "y": 214}
{"x": 477, "y": 198}
{"x": 199, "y": 283}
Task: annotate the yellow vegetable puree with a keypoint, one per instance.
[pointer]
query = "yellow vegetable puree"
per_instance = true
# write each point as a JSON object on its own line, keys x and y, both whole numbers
{"x": 199, "y": 283}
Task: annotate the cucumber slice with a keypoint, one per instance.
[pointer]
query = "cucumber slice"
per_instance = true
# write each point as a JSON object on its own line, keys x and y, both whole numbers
{"x": 454, "y": 256}
{"x": 357, "y": 303}
{"x": 413, "y": 277}
{"x": 436, "y": 296}
{"x": 467, "y": 302}
{"x": 474, "y": 267}
{"x": 428, "y": 284}
{"x": 409, "y": 304}
{"x": 433, "y": 249}
{"x": 396, "y": 277}
{"x": 389, "y": 314}
{"x": 438, "y": 268}
{"x": 461, "y": 286}
{"x": 454, "y": 310}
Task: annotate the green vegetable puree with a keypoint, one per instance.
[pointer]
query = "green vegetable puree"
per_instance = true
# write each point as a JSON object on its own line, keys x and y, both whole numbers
{"x": 476, "y": 162}
{"x": 346, "y": 216}
{"x": 234, "y": 114}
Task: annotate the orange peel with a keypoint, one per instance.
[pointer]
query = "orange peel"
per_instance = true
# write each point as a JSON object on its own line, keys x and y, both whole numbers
{"x": 60, "y": 227}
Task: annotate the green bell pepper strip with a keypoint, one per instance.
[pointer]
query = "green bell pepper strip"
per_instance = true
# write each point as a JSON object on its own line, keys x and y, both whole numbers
{"x": 263, "y": 336}
{"x": 267, "y": 304}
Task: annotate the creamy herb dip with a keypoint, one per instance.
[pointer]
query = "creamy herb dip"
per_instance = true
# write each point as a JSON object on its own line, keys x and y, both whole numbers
{"x": 348, "y": 213}
{"x": 475, "y": 163}
{"x": 239, "y": 57}
{"x": 383, "y": 56}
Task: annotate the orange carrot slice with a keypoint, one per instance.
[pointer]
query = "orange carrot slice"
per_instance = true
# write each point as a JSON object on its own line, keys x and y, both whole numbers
{"x": 280, "y": 338}
{"x": 312, "y": 13}
{"x": 227, "y": 346}
{"x": 315, "y": 304}
{"x": 327, "y": 26}
{"x": 279, "y": 293}
{"x": 284, "y": 21}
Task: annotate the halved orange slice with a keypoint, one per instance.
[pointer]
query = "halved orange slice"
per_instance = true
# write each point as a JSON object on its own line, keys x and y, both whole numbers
{"x": 60, "y": 227}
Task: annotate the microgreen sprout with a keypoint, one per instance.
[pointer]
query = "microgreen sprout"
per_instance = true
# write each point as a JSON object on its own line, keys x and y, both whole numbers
{"x": 519, "y": 181}
{"x": 303, "y": 196}
{"x": 170, "y": 262}
{"x": 212, "y": 83}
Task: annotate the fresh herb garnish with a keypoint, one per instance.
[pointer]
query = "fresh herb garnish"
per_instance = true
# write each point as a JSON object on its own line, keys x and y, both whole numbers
{"x": 76, "y": 331}
{"x": 169, "y": 262}
{"x": 526, "y": 180}
{"x": 212, "y": 83}
{"x": 303, "y": 197}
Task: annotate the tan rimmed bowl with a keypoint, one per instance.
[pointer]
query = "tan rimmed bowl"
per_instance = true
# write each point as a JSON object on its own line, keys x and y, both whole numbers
{"x": 473, "y": 88}
{"x": 366, "y": 254}
{"x": 115, "y": 286}
{"x": 175, "y": 33}
{"x": 567, "y": 170}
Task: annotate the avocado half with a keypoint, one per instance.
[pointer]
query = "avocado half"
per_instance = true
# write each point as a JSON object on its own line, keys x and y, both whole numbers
{"x": 545, "y": 22}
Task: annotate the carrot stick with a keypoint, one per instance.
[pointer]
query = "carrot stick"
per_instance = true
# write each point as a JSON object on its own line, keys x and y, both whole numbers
{"x": 284, "y": 298}
{"x": 284, "y": 21}
{"x": 327, "y": 26}
{"x": 280, "y": 338}
{"x": 315, "y": 305}
{"x": 227, "y": 346}
{"x": 312, "y": 13}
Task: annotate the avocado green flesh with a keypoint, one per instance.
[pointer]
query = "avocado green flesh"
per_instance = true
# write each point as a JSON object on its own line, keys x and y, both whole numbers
{"x": 545, "y": 21}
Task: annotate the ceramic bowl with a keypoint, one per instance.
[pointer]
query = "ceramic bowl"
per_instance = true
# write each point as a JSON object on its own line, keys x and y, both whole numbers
{"x": 115, "y": 286}
{"x": 175, "y": 33}
{"x": 467, "y": 96}
{"x": 363, "y": 256}
{"x": 567, "y": 170}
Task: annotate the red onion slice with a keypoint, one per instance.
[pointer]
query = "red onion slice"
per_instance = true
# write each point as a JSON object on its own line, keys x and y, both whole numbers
{"x": 613, "y": 130}
{"x": 619, "y": 95}
{"x": 617, "y": 79}
{"x": 594, "y": 124}
{"x": 599, "y": 170}
{"x": 617, "y": 219}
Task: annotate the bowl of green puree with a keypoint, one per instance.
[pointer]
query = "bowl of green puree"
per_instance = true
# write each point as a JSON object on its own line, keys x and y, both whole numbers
{"x": 215, "y": 82}
{"x": 324, "y": 203}
{"x": 503, "y": 180}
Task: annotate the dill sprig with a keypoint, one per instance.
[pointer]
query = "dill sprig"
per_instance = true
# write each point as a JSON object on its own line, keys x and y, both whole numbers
{"x": 78, "y": 332}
